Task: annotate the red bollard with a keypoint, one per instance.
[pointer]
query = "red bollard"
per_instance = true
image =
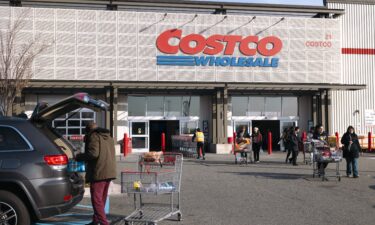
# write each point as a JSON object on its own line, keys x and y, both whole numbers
{"x": 269, "y": 143}
{"x": 369, "y": 141}
{"x": 125, "y": 144}
{"x": 163, "y": 142}
{"x": 337, "y": 139}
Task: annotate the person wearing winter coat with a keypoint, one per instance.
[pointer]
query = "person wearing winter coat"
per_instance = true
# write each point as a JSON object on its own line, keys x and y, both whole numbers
{"x": 295, "y": 141}
{"x": 351, "y": 151}
{"x": 257, "y": 140}
{"x": 100, "y": 159}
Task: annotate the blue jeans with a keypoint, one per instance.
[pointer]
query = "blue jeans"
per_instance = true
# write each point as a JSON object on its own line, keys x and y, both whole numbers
{"x": 352, "y": 164}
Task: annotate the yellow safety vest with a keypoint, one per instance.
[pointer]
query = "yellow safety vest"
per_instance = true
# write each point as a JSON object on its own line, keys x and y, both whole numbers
{"x": 199, "y": 136}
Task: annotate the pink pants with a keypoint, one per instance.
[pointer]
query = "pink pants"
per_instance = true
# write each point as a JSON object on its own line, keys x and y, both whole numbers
{"x": 99, "y": 193}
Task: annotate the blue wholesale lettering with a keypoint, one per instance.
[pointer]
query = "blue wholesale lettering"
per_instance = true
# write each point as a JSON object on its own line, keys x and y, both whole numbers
{"x": 217, "y": 61}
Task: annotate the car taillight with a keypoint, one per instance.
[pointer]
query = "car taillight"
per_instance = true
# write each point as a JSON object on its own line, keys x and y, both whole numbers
{"x": 56, "y": 162}
{"x": 67, "y": 198}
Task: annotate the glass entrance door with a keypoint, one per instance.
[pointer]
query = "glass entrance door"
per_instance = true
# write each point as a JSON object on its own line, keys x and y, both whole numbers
{"x": 139, "y": 132}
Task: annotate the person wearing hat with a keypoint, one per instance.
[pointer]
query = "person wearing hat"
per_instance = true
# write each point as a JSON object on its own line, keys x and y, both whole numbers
{"x": 199, "y": 138}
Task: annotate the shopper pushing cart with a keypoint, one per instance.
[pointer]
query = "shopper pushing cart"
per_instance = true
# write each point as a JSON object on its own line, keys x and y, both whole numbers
{"x": 242, "y": 147}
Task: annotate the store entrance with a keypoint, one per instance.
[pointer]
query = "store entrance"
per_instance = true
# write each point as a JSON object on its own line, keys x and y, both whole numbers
{"x": 265, "y": 126}
{"x": 157, "y": 127}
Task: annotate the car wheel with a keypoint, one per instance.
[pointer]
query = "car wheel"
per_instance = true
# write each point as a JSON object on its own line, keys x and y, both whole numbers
{"x": 12, "y": 210}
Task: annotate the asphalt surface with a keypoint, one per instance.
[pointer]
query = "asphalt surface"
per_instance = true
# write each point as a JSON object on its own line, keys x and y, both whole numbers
{"x": 217, "y": 191}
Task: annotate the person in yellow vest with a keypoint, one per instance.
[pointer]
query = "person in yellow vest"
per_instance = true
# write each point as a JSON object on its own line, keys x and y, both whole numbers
{"x": 199, "y": 138}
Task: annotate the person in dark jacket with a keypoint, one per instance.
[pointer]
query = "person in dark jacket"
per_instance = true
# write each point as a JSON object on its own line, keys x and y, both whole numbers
{"x": 351, "y": 151}
{"x": 257, "y": 140}
{"x": 100, "y": 158}
{"x": 321, "y": 135}
{"x": 288, "y": 145}
{"x": 295, "y": 141}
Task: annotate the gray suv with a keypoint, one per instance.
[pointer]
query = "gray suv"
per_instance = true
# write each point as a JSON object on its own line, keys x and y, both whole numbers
{"x": 34, "y": 180}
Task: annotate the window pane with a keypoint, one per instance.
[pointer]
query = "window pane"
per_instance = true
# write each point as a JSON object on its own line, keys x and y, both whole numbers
{"x": 11, "y": 140}
{"x": 239, "y": 106}
{"x": 88, "y": 115}
{"x": 74, "y": 131}
{"x": 189, "y": 127}
{"x": 139, "y": 142}
{"x": 273, "y": 106}
{"x": 85, "y": 122}
{"x": 173, "y": 106}
{"x": 290, "y": 106}
{"x": 74, "y": 123}
{"x": 155, "y": 106}
{"x": 190, "y": 105}
{"x": 137, "y": 106}
{"x": 139, "y": 128}
{"x": 59, "y": 123}
{"x": 74, "y": 115}
{"x": 256, "y": 106}
{"x": 61, "y": 131}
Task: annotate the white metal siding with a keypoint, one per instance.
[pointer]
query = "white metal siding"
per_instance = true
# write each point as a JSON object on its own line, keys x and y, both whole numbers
{"x": 358, "y": 31}
{"x": 118, "y": 45}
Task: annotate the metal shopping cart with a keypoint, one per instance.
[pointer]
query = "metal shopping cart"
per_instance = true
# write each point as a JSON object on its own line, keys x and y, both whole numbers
{"x": 324, "y": 155}
{"x": 243, "y": 153}
{"x": 184, "y": 145}
{"x": 159, "y": 175}
{"x": 308, "y": 153}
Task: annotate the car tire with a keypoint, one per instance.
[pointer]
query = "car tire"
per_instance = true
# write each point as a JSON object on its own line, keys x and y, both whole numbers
{"x": 14, "y": 203}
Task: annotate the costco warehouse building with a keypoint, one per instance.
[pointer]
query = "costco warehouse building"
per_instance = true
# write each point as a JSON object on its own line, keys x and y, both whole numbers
{"x": 173, "y": 66}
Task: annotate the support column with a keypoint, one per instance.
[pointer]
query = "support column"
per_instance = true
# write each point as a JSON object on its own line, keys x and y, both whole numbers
{"x": 115, "y": 110}
{"x": 314, "y": 109}
{"x": 109, "y": 112}
{"x": 219, "y": 116}
{"x": 214, "y": 119}
{"x": 328, "y": 112}
{"x": 225, "y": 114}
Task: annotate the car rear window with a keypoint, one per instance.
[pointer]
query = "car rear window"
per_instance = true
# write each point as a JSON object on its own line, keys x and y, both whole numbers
{"x": 11, "y": 140}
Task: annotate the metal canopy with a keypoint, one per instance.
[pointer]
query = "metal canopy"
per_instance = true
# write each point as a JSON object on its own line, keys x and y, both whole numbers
{"x": 168, "y": 4}
{"x": 168, "y": 86}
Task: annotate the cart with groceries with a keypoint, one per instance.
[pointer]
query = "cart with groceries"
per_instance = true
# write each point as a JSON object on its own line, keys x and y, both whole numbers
{"x": 308, "y": 152}
{"x": 243, "y": 151}
{"x": 158, "y": 176}
{"x": 326, "y": 153}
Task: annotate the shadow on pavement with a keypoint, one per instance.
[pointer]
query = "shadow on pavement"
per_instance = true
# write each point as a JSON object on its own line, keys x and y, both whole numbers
{"x": 278, "y": 176}
{"x": 372, "y": 187}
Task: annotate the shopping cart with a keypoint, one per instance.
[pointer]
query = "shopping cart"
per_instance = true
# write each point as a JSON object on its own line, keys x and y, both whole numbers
{"x": 159, "y": 176}
{"x": 243, "y": 153}
{"x": 308, "y": 153}
{"x": 324, "y": 155}
{"x": 183, "y": 144}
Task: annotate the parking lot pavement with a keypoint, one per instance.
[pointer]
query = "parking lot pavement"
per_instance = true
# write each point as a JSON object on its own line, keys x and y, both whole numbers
{"x": 217, "y": 191}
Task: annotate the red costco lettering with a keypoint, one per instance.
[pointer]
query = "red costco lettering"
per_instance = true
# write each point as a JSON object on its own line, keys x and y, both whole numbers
{"x": 215, "y": 44}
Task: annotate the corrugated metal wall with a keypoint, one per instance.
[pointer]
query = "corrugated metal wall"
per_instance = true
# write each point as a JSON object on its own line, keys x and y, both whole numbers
{"x": 358, "y": 31}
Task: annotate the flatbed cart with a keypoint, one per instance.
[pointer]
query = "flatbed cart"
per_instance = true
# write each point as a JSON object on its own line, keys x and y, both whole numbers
{"x": 326, "y": 155}
{"x": 158, "y": 176}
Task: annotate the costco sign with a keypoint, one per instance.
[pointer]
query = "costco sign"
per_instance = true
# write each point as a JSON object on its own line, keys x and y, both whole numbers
{"x": 217, "y": 50}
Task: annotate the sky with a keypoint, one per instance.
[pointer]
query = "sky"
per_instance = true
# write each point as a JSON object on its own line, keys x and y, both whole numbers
{"x": 284, "y": 2}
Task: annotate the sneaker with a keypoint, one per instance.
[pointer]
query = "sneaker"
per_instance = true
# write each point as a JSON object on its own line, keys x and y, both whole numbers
{"x": 348, "y": 175}
{"x": 198, "y": 157}
{"x": 295, "y": 164}
{"x": 356, "y": 176}
{"x": 204, "y": 158}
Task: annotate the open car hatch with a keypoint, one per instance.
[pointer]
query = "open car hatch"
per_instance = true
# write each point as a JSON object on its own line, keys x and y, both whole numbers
{"x": 43, "y": 112}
